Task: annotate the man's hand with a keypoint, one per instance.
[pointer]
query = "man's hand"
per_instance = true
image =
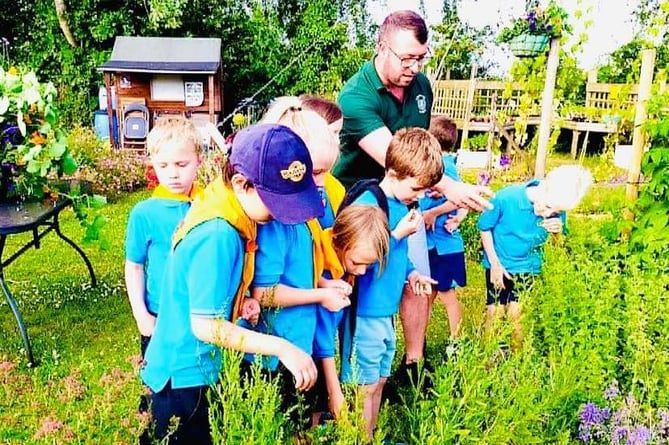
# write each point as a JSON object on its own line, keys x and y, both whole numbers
{"x": 452, "y": 223}
{"x": 146, "y": 323}
{"x": 420, "y": 284}
{"x": 408, "y": 225}
{"x": 300, "y": 364}
{"x": 468, "y": 196}
{"x": 251, "y": 310}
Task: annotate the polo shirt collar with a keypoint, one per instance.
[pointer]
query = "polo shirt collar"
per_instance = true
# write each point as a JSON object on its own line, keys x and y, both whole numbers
{"x": 525, "y": 202}
{"x": 370, "y": 72}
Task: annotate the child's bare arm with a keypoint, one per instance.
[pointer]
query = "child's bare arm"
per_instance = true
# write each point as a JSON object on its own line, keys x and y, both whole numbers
{"x": 135, "y": 287}
{"x": 228, "y": 335}
{"x": 497, "y": 271}
{"x": 333, "y": 299}
{"x": 432, "y": 214}
{"x": 335, "y": 394}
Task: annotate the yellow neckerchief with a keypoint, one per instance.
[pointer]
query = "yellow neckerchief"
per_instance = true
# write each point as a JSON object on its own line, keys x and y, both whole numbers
{"x": 219, "y": 201}
{"x": 325, "y": 257}
{"x": 335, "y": 192}
{"x": 163, "y": 193}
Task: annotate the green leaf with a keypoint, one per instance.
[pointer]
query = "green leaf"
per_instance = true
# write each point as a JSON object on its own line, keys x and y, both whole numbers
{"x": 69, "y": 164}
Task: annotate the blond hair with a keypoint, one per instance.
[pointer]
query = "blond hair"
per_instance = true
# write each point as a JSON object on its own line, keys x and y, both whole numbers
{"x": 565, "y": 186}
{"x": 415, "y": 153}
{"x": 357, "y": 224}
{"x": 173, "y": 129}
{"x": 308, "y": 124}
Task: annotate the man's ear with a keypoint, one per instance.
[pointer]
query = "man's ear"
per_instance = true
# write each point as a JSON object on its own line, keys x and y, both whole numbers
{"x": 391, "y": 173}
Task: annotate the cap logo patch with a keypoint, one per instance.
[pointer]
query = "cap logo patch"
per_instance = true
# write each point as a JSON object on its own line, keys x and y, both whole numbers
{"x": 295, "y": 171}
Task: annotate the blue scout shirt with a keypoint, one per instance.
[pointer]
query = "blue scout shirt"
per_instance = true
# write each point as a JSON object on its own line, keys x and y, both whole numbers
{"x": 327, "y": 322}
{"x": 379, "y": 296}
{"x": 439, "y": 238}
{"x": 367, "y": 105}
{"x": 148, "y": 241}
{"x": 201, "y": 279}
{"x": 285, "y": 256}
{"x": 517, "y": 233}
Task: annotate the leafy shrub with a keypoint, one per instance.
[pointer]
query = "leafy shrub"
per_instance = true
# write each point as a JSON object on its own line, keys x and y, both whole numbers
{"x": 85, "y": 145}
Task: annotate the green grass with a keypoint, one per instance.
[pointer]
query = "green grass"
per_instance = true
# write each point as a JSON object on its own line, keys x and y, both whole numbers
{"x": 587, "y": 321}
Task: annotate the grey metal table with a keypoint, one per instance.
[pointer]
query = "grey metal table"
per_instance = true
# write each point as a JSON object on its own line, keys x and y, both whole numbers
{"x": 39, "y": 218}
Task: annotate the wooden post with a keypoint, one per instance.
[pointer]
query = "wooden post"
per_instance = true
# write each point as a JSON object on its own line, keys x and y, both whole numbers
{"x": 471, "y": 89}
{"x": 639, "y": 136}
{"x": 110, "y": 113}
{"x": 210, "y": 87}
{"x": 547, "y": 108}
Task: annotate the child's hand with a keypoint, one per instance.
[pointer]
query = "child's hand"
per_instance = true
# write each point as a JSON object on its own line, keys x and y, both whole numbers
{"x": 300, "y": 364}
{"x": 336, "y": 284}
{"x": 408, "y": 225}
{"x": 334, "y": 299}
{"x": 429, "y": 218}
{"x": 336, "y": 402}
{"x": 552, "y": 225}
{"x": 497, "y": 275}
{"x": 452, "y": 223}
{"x": 251, "y": 310}
{"x": 146, "y": 323}
{"x": 420, "y": 284}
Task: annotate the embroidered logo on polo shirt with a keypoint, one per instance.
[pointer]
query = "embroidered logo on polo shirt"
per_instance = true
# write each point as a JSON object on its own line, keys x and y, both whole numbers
{"x": 295, "y": 171}
{"x": 421, "y": 102}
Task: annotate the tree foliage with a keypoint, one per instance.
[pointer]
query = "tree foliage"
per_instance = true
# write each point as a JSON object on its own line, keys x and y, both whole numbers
{"x": 285, "y": 46}
{"x": 457, "y": 45}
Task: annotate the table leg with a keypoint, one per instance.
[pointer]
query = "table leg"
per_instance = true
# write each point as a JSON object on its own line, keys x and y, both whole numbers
{"x": 56, "y": 227}
{"x": 15, "y": 308}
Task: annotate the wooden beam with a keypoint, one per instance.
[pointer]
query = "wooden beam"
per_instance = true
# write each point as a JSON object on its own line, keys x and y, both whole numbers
{"x": 639, "y": 135}
{"x": 547, "y": 108}
{"x": 471, "y": 88}
{"x": 110, "y": 113}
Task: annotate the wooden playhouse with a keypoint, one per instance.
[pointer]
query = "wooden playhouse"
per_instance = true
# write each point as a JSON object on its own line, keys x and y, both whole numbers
{"x": 150, "y": 77}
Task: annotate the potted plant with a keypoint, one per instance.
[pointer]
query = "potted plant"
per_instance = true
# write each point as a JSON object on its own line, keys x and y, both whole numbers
{"x": 529, "y": 35}
{"x": 34, "y": 154}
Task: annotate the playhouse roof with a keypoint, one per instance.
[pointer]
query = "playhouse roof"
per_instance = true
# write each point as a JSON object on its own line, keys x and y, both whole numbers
{"x": 167, "y": 55}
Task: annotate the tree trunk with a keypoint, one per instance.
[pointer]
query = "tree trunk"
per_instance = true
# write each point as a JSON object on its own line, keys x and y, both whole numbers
{"x": 61, "y": 12}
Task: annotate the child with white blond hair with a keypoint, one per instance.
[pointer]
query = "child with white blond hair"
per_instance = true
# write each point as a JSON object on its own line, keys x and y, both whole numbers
{"x": 514, "y": 231}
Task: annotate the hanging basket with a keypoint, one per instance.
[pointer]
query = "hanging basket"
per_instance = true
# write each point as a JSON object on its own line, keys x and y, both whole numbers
{"x": 528, "y": 45}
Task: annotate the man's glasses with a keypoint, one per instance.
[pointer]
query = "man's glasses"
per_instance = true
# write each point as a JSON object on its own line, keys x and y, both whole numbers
{"x": 409, "y": 62}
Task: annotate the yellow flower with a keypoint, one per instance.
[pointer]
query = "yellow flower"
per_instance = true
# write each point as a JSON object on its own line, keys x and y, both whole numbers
{"x": 13, "y": 71}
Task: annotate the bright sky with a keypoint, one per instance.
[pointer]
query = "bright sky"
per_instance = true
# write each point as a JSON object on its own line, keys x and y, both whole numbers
{"x": 612, "y": 22}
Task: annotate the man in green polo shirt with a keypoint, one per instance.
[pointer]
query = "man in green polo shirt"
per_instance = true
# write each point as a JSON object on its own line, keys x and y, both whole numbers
{"x": 386, "y": 94}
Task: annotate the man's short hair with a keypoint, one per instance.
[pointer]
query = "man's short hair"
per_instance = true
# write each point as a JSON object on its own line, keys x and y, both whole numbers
{"x": 415, "y": 153}
{"x": 445, "y": 131}
{"x": 171, "y": 129}
{"x": 404, "y": 20}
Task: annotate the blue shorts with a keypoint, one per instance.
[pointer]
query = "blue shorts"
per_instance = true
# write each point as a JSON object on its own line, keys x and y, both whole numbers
{"x": 448, "y": 270}
{"x": 519, "y": 283}
{"x": 373, "y": 349}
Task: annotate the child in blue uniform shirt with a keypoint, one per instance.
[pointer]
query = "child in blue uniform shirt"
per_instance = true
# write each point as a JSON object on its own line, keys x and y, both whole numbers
{"x": 175, "y": 154}
{"x": 446, "y": 248}
{"x": 513, "y": 234}
{"x": 268, "y": 175}
{"x": 286, "y": 282}
{"x": 413, "y": 164}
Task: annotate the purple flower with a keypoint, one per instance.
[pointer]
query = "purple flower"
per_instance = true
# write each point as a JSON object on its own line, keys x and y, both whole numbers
{"x": 612, "y": 391}
{"x": 533, "y": 26}
{"x": 640, "y": 436}
{"x": 618, "y": 434}
{"x": 483, "y": 178}
{"x": 504, "y": 160}
{"x": 592, "y": 414}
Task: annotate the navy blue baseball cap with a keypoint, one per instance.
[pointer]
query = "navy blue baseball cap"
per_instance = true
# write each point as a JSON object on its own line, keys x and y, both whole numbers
{"x": 277, "y": 162}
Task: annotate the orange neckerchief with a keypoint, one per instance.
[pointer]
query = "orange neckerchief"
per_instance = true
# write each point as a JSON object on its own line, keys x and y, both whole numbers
{"x": 219, "y": 201}
{"x": 335, "y": 192}
{"x": 163, "y": 193}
